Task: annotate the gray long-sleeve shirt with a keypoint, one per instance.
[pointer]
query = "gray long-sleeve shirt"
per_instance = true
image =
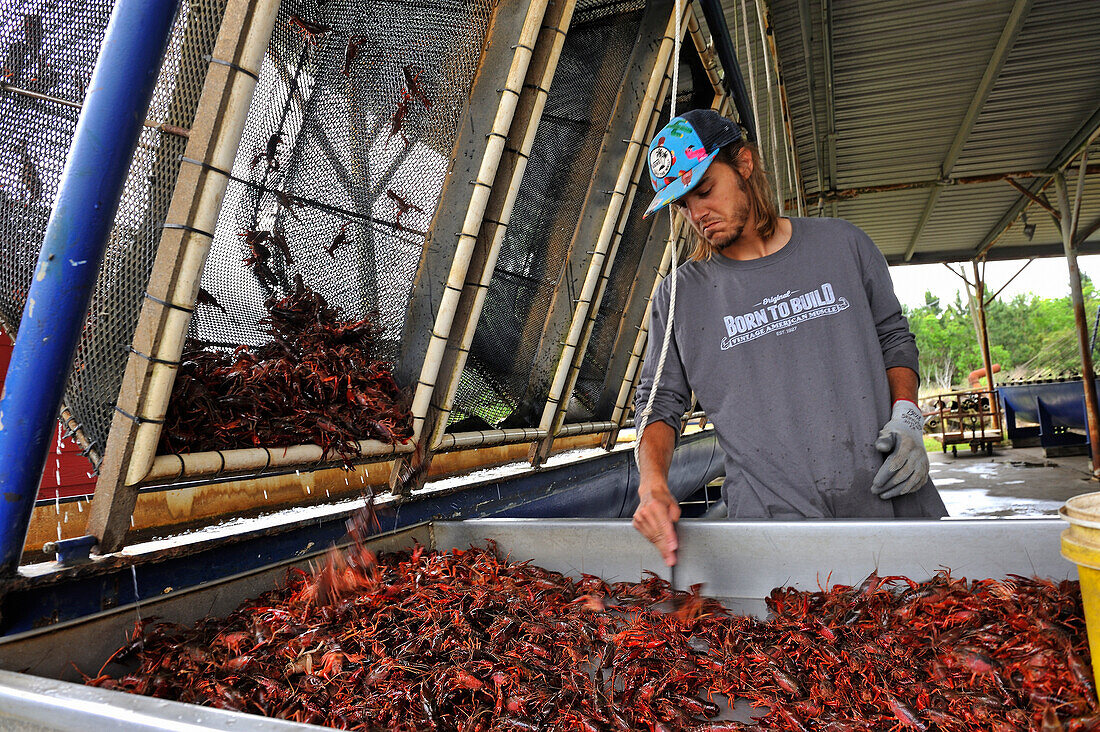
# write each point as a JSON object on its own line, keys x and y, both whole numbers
{"x": 788, "y": 356}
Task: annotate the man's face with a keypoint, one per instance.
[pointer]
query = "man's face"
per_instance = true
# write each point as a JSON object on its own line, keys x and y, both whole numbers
{"x": 717, "y": 208}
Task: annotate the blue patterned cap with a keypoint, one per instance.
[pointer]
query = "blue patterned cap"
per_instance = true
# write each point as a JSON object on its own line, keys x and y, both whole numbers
{"x": 683, "y": 150}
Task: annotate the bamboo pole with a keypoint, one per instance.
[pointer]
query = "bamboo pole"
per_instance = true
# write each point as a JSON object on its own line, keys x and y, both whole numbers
{"x": 500, "y": 226}
{"x": 724, "y": 105}
{"x": 184, "y": 287}
{"x": 256, "y": 459}
{"x": 605, "y": 274}
{"x": 603, "y": 242}
{"x": 471, "y": 226}
{"x": 638, "y": 351}
{"x": 174, "y": 281}
{"x": 584, "y": 428}
{"x": 490, "y": 438}
{"x": 485, "y": 438}
{"x": 706, "y": 53}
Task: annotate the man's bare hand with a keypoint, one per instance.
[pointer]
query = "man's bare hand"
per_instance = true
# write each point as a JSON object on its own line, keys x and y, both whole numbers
{"x": 656, "y": 519}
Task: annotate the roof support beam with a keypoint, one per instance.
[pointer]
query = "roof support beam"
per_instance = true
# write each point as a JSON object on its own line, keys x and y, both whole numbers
{"x": 845, "y": 194}
{"x": 1034, "y": 198}
{"x": 807, "y": 55}
{"x": 1080, "y": 139}
{"x": 1086, "y": 232}
{"x": 1009, "y": 33}
{"x": 1088, "y": 376}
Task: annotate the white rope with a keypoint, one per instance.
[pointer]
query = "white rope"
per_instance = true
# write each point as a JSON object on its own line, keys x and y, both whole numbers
{"x": 641, "y": 419}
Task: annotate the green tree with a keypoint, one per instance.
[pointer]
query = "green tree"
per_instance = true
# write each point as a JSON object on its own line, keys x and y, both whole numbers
{"x": 1029, "y": 336}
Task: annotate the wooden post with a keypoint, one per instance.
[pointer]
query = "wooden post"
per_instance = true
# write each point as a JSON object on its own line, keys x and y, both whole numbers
{"x": 983, "y": 342}
{"x": 1088, "y": 377}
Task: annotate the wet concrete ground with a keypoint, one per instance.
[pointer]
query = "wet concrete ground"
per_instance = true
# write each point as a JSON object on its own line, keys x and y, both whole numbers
{"x": 1011, "y": 483}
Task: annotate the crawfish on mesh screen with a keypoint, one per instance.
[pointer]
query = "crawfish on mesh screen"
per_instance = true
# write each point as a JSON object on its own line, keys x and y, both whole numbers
{"x": 317, "y": 380}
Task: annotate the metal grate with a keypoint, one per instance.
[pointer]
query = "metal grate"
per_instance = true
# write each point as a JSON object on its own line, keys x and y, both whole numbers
{"x": 51, "y": 49}
{"x": 343, "y": 160}
{"x": 590, "y": 380}
{"x": 536, "y": 246}
{"x": 695, "y": 91}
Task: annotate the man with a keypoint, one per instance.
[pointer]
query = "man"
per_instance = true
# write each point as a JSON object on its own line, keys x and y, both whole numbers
{"x": 789, "y": 334}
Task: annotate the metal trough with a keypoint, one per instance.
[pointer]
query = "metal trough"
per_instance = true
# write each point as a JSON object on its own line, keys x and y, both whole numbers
{"x": 739, "y": 562}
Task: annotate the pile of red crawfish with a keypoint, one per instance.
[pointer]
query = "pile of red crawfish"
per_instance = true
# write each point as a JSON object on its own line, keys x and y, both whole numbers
{"x": 466, "y": 640}
{"x": 315, "y": 380}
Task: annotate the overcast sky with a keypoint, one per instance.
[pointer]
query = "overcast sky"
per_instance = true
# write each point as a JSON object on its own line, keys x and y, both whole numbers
{"x": 1044, "y": 277}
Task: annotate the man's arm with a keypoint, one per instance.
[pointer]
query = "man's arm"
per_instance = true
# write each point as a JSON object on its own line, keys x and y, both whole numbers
{"x": 903, "y": 383}
{"x": 657, "y": 511}
{"x": 901, "y": 439}
{"x": 899, "y": 347}
{"x": 657, "y": 508}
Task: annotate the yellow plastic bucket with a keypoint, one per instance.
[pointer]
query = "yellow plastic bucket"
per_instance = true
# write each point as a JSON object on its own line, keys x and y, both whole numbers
{"x": 1081, "y": 545}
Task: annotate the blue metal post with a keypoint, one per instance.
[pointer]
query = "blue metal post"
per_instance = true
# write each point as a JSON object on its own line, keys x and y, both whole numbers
{"x": 76, "y": 236}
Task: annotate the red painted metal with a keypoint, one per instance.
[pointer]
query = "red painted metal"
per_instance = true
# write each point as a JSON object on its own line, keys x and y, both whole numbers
{"x": 67, "y": 472}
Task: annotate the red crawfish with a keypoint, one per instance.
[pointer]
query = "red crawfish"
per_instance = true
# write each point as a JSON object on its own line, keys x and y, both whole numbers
{"x": 280, "y": 243}
{"x": 412, "y": 91}
{"x": 255, "y": 241}
{"x": 205, "y": 298}
{"x": 309, "y": 29}
{"x": 352, "y": 50}
{"x": 415, "y": 91}
{"x": 270, "y": 152}
{"x": 337, "y": 241}
{"x": 288, "y": 202}
{"x": 403, "y": 207}
{"x": 28, "y": 175}
{"x": 398, "y": 119}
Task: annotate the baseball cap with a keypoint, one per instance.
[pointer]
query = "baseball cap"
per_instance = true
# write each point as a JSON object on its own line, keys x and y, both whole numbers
{"x": 683, "y": 150}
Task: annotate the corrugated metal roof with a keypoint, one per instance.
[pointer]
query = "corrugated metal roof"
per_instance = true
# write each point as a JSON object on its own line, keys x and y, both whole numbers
{"x": 903, "y": 77}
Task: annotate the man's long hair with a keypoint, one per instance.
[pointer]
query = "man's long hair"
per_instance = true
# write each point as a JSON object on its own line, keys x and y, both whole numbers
{"x": 762, "y": 202}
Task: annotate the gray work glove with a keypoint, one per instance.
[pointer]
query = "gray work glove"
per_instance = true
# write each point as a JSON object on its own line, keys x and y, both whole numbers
{"x": 906, "y": 467}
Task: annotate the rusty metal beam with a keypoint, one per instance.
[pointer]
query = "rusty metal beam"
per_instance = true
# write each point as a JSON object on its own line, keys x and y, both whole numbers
{"x": 1034, "y": 198}
{"x": 847, "y": 194}
{"x": 1085, "y": 133}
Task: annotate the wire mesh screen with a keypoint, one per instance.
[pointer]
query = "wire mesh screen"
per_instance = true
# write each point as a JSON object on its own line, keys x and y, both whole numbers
{"x": 694, "y": 91}
{"x": 535, "y": 249}
{"x": 342, "y": 163}
{"x": 49, "y": 51}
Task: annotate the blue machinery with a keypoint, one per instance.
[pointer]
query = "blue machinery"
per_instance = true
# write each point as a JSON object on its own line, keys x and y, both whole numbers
{"x": 1057, "y": 407}
{"x": 106, "y": 136}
